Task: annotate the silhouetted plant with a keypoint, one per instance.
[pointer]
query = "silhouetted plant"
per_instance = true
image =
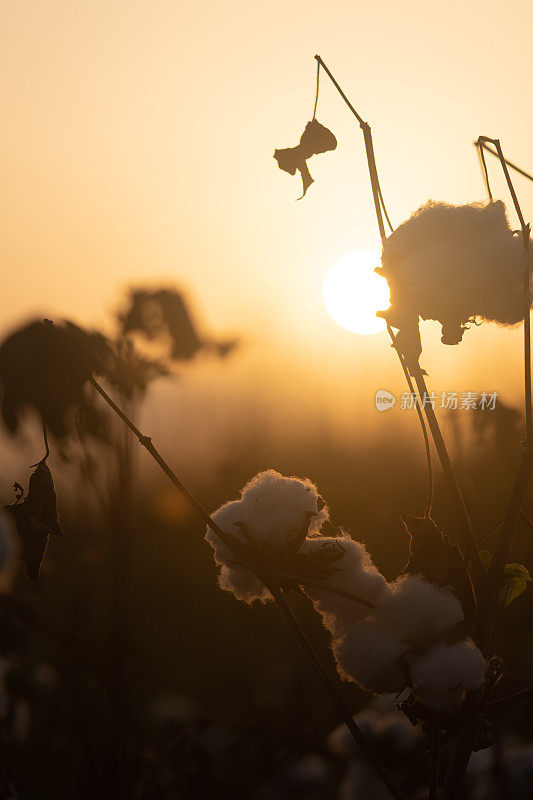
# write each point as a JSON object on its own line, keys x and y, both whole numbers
{"x": 163, "y": 314}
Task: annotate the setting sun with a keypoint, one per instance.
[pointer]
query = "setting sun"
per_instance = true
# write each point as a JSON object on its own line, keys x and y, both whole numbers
{"x": 353, "y": 292}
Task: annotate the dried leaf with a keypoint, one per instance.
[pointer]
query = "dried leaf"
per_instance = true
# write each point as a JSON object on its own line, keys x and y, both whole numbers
{"x": 428, "y": 547}
{"x": 36, "y": 518}
{"x": 315, "y": 139}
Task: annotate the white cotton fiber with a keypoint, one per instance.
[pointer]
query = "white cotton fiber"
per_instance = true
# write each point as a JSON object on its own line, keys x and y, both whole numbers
{"x": 233, "y": 576}
{"x": 442, "y": 675}
{"x": 279, "y": 508}
{"x": 353, "y": 573}
{"x": 418, "y": 613}
{"x": 371, "y": 657}
{"x": 272, "y": 518}
{"x": 452, "y": 263}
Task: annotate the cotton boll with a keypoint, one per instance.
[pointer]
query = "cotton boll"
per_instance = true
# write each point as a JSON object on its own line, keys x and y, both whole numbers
{"x": 234, "y": 577}
{"x": 228, "y": 518}
{"x": 397, "y": 736}
{"x": 241, "y": 582}
{"x": 341, "y": 742}
{"x": 353, "y": 573}
{"x": 418, "y": 613}
{"x": 445, "y": 673}
{"x": 279, "y": 510}
{"x": 361, "y": 781}
{"x": 452, "y": 263}
{"x": 371, "y": 657}
{"x": 269, "y": 522}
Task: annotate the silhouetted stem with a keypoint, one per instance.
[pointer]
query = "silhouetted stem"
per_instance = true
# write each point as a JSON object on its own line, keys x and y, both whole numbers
{"x": 490, "y": 597}
{"x": 147, "y": 444}
{"x": 494, "y": 527}
{"x": 523, "y": 473}
{"x": 435, "y": 757}
{"x": 526, "y": 281}
{"x": 380, "y": 209}
{"x": 342, "y": 708}
{"x": 429, "y": 501}
{"x": 469, "y": 542}
{"x": 318, "y": 585}
{"x": 274, "y": 590}
{"x": 369, "y": 147}
{"x": 518, "y": 697}
{"x": 481, "y": 145}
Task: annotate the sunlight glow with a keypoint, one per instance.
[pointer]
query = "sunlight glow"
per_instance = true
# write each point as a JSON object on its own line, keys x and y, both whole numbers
{"x": 353, "y": 292}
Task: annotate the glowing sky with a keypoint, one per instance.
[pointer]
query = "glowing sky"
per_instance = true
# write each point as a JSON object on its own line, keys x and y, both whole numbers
{"x": 136, "y": 145}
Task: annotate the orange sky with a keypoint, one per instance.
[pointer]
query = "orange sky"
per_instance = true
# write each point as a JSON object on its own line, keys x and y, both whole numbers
{"x": 136, "y": 146}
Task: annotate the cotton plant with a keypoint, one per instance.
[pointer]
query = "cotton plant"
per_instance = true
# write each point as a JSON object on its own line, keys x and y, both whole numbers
{"x": 456, "y": 265}
{"x": 267, "y": 527}
{"x": 385, "y": 636}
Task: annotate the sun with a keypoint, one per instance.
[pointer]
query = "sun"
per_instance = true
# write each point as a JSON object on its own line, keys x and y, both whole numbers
{"x": 353, "y": 292}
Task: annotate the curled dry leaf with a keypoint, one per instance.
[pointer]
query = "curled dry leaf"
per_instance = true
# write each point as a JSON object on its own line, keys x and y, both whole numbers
{"x": 36, "y": 518}
{"x": 315, "y": 139}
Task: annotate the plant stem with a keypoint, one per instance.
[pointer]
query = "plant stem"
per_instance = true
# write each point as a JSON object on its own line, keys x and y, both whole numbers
{"x": 381, "y": 210}
{"x": 469, "y": 542}
{"x": 523, "y": 473}
{"x": 481, "y": 145}
{"x": 429, "y": 502}
{"x": 504, "y": 702}
{"x": 274, "y": 590}
{"x": 463, "y": 748}
{"x": 343, "y": 710}
{"x": 490, "y": 597}
{"x": 147, "y": 444}
{"x": 435, "y": 756}
{"x": 318, "y": 585}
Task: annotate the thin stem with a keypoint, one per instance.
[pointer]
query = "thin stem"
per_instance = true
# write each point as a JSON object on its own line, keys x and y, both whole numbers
{"x": 46, "y": 446}
{"x": 523, "y": 473}
{"x": 494, "y": 527}
{"x": 147, "y": 444}
{"x": 342, "y": 708}
{"x": 429, "y": 502}
{"x": 481, "y": 152}
{"x": 380, "y": 209}
{"x": 369, "y": 147}
{"x": 504, "y": 702}
{"x": 469, "y": 542}
{"x": 359, "y": 119}
{"x": 463, "y": 748}
{"x": 318, "y": 585}
{"x": 274, "y": 590}
{"x": 317, "y": 88}
{"x": 490, "y": 598}
{"x": 487, "y": 533}
{"x": 435, "y": 757}
{"x": 481, "y": 143}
